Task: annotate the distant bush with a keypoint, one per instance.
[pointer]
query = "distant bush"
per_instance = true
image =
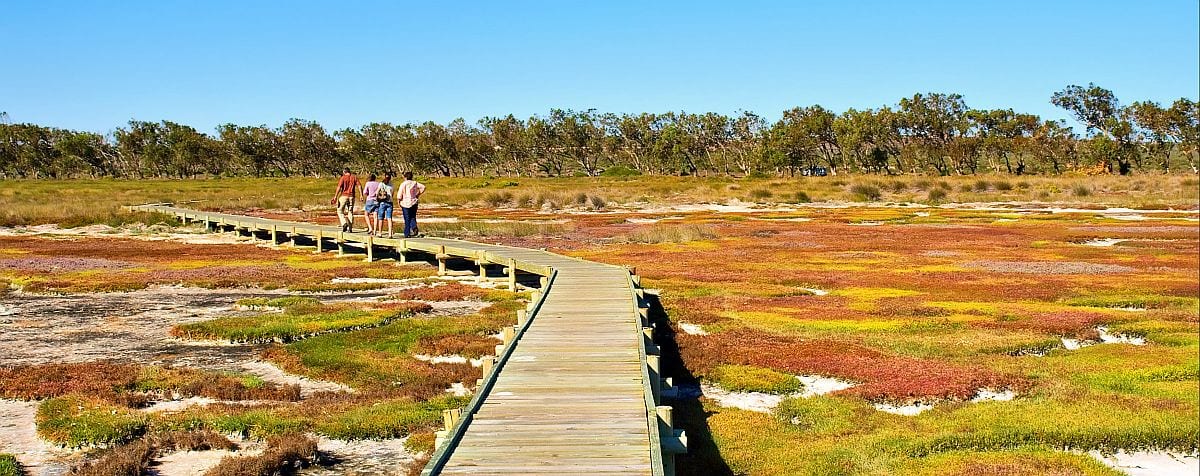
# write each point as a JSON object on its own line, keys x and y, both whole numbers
{"x": 982, "y": 186}
{"x": 497, "y": 199}
{"x": 897, "y": 186}
{"x": 619, "y": 171}
{"x": 760, "y": 194}
{"x": 965, "y": 188}
{"x": 597, "y": 202}
{"x": 581, "y": 198}
{"x": 866, "y": 192}
{"x": 922, "y": 184}
{"x": 671, "y": 234}
{"x": 801, "y": 197}
{"x": 937, "y": 195}
{"x": 1081, "y": 190}
{"x": 944, "y": 185}
{"x": 1003, "y": 185}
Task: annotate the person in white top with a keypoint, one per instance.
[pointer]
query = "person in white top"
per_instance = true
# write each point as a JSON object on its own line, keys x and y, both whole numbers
{"x": 409, "y": 193}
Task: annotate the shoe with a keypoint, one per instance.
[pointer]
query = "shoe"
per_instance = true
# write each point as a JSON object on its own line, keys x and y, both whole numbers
{"x": 343, "y": 227}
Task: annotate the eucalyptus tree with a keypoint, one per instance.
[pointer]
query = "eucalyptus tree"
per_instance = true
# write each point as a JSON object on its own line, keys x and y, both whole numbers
{"x": 934, "y": 125}
{"x": 1183, "y": 123}
{"x": 1002, "y": 134}
{"x": 1100, "y": 112}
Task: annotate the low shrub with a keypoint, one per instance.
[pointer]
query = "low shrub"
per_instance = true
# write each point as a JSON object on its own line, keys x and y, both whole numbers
{"x": 981, "y": 186}
{"x": 671, "y": 234}
{"x": 819, "y": 414}
{"x": 9, "y": 466}
{"x": 132, "y": 459}
{"x": 78, "y": 421}
{"x": 745, "y": 378}
{"x": 801, "y": 197}
{"x": 1003, "y": 185}
{"x": 285, "y": 454}
{"x": 1081, "y": 190}
{"x": 937, "y": 195}
{"x": 760, "y": 194}
{"x": 597, "y": 202}
{"x": 866, "y": 192}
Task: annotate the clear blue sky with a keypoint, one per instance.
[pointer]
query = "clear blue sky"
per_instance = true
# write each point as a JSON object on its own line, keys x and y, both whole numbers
{"x": 94, "y": 65}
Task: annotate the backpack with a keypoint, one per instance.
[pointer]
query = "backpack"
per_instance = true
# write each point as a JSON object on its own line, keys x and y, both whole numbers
{"x": 381, "y": 194}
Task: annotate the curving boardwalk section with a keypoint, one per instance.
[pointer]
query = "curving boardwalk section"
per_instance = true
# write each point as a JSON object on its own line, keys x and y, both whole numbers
{"x": 575, "y": 387}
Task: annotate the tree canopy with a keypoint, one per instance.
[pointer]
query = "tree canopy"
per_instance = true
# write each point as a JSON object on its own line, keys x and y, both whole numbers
{"x": 932, "y": 133}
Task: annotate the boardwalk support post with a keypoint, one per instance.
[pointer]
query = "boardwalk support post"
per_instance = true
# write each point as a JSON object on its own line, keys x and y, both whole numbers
{"x": 522, "y": 316}
{"x": 512, "y": 274}
{"x": 441, "y": 259}
{"x": 274, "y": 235}
{"x": 403, "y": 251}
{"x": 341, "y": 243}
{"x": 653, "y": 361}
{"x": 370, "y": 248}
{"x": 320, "y": 240}
{"x": 673, "y": 441}
{"x": 651, "y": 347}
{"x": 481, "y": 261}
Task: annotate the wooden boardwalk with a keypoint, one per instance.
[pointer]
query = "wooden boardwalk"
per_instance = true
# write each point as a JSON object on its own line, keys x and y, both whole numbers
{"x": 575, "y": 387}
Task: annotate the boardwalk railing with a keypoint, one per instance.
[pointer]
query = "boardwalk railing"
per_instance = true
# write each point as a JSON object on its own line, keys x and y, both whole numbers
{"x": 575, "y": 387}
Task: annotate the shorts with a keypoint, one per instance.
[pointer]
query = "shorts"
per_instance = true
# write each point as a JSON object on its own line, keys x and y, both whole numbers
{"x": 384, "y": 210}
{"x": 370, "y": 206}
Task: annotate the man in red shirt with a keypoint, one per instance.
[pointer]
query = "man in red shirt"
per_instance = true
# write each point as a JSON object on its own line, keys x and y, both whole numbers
{"x": 343, "y": 198}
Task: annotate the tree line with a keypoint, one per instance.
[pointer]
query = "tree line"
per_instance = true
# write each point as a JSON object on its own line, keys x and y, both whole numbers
{"x": 931, "y": 133}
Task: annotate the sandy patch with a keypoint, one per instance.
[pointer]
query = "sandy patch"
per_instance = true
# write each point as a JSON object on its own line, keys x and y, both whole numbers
{"x": 816, "y": 292}
{"x": 361, "y": 458}
{"x": 269, "y": 372}
{"x": 1151, "y": 463}
{"x": 458, "y": 389}
{"x": 991, "y": 395}
{"x": 1049, "y": 267}
{"x": 196, "y": 463}
{"x": 818, "y": 385}
{"x": 752, "y": 401}
{"x": 1110, "y": 338}
{"x": 448, "y": 359}
{"x": 1103, "y": 242}
{"x": 19, "y": 438}
{"x": 691, "y": 329}
{"x": 910, "y": 409}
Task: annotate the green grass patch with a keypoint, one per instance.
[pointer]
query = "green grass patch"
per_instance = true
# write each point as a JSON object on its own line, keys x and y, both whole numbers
{"x": 300, "y": 319}
{"x": 745, "y": 378}
{"x": 77, "y": 422}
{"x": 387, "y": 419}
{"x": 9, "y": 466}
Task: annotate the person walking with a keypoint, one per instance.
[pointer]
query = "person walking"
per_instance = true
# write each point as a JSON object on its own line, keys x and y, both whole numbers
{"x": 371, "y": 205}
{"x": 343, "y": 199}
{"x": 383, "y": 196}
{"x": 409, "y": 192}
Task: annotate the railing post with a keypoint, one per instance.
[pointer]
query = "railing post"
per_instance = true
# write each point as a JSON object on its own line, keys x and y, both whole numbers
{"x": 341, "y": 243}
{"x": 320, "y": 239}
{"x": 403, "y": 251}
{"x": 512, "y": 275}
{"x": 653, "y": 362}
{"x": 481, "y": 261}
{"x": 370, "y": 248}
